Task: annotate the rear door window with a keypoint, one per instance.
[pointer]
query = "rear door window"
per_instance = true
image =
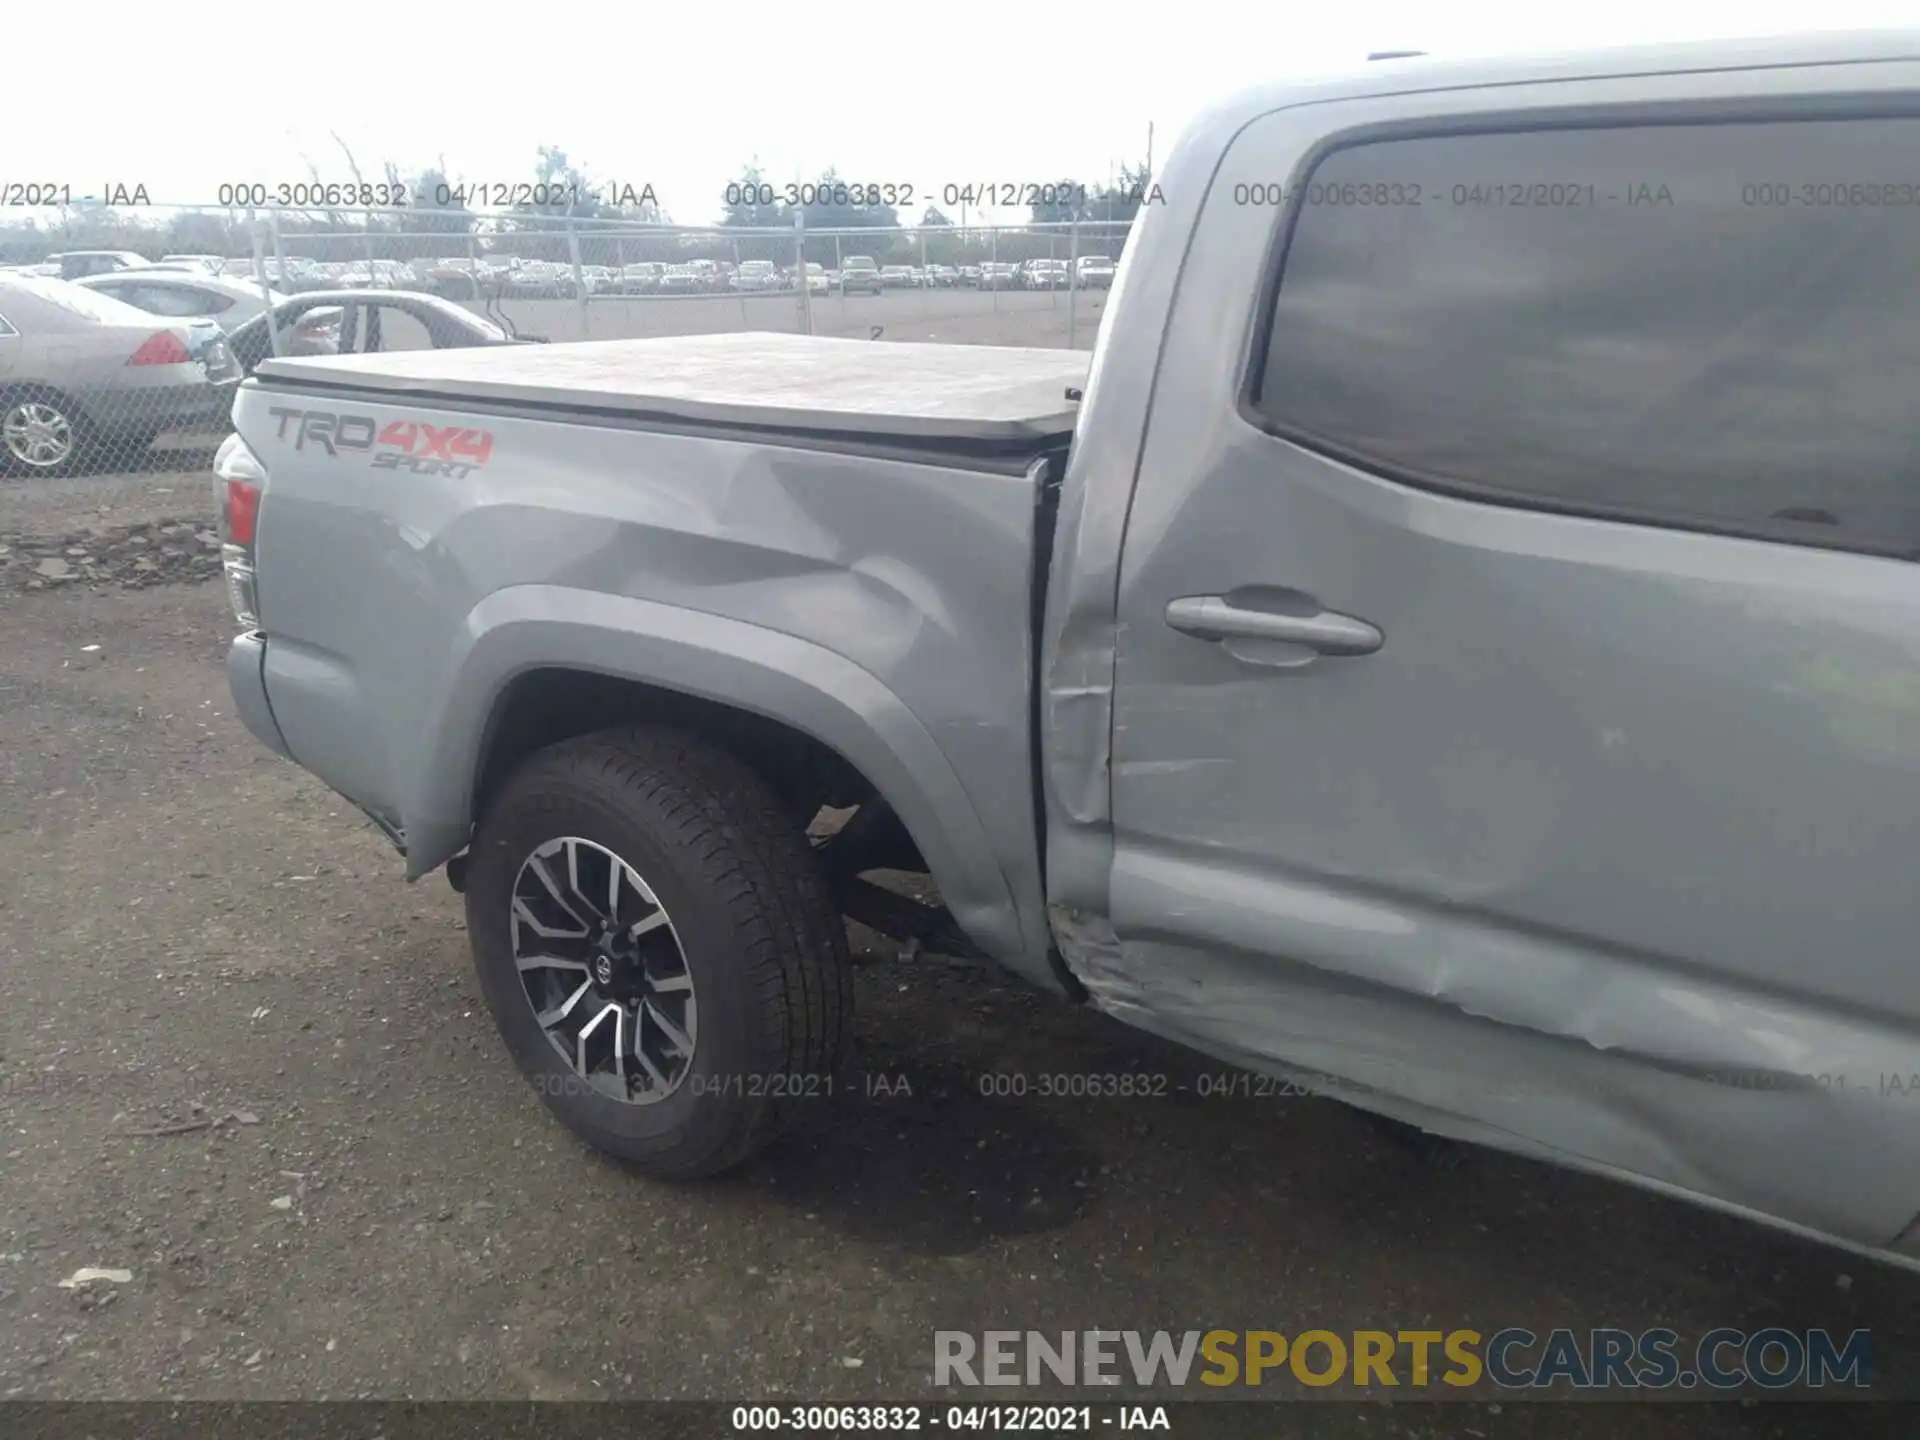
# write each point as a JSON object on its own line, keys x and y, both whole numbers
{"x": 1708, "y": 326}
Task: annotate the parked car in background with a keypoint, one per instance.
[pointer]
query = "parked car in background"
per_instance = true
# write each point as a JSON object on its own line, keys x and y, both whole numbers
{"x": 756, "y": 275}
{"x": 1044, "y": 275}
{"x": 206, "y": 264}
{"x": 601, "y": 279}
{"x": 365, "y": 322}
{"x": 534, "y": 279}
{"x": 679, "y": 280}
{"x": 944, "y": 277}
{"x": 85, "y": 377}
{"x": 641, "y": 278}
{"x": 454, "y": 277}
{"x": 184, "y": 294}
{"x": 998, "y": 275}
{"x": 817, "y": 281}
{"x": 896, "y": 277}
{"x": 859, "y": 273}
{"x": 1093, "y": 272}
{"x": 297, "y": 273}
{"x": 969, "y": 276}
{"x": 76, "y": 264}
{"x": 495, "y": 273}
{"x": 373, "y": 275}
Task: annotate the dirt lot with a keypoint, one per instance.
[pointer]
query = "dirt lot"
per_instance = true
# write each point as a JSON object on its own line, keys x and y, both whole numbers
{"x": 242, "y": 1059}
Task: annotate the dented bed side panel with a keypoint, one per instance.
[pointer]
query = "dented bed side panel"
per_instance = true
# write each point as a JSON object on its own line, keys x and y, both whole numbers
{"x": 880, "y": 604}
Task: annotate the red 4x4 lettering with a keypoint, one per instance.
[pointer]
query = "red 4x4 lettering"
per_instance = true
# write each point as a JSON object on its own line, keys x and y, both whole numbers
{"x": 438, "y": 441}
{"x": 474, "y": 445}
{"x": 456, "y": 441}
{"x": 442, "y": 442}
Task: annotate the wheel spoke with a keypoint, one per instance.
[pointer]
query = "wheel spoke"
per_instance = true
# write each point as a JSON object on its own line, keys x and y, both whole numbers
{"x": 573, "y": 881}
{"x": 646, "y": 1063}
{"x": 545, "y": 876}
{"x": 681, "y": 1041}
{"x": 672, "y": 985}
{"x": 550, "y": 1018}
{"x": 649, "y": 925}
{"x": 580, "y": 1040}
{"x": 548, "y": 962}
{"x": 523, "y": 914}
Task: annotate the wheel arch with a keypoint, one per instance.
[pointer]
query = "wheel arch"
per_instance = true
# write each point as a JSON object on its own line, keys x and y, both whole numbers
{"x": 536, "y": 664}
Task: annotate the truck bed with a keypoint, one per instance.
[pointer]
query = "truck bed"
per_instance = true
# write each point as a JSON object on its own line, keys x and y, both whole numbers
{"x": 763, "y": 380}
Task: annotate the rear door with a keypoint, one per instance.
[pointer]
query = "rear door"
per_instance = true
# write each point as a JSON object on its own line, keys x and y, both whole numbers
{"x": 10, "y": 344}
{"x": 1518, "y": 684}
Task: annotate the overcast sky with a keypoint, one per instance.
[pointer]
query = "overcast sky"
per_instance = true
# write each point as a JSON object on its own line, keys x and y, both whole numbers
{"x": 183, "y": 98}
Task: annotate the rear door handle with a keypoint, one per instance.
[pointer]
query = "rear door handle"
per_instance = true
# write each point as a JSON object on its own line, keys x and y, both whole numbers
{"x": 1212, "y": 617}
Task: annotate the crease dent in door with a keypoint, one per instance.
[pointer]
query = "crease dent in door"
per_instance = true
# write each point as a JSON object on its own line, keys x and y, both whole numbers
{"x": 1492, "y": 1036}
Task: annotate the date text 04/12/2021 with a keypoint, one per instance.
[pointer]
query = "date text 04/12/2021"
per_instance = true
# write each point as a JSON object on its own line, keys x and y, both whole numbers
{"x": 1030, "y": 1419}
{"x": 558, "y": 196}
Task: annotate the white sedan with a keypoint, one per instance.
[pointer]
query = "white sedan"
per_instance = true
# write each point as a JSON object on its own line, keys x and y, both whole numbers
{"x": 184, "y": 294}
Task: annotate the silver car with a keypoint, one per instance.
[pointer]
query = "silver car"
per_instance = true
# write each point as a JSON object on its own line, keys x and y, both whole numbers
{"x": 85, "y": 376}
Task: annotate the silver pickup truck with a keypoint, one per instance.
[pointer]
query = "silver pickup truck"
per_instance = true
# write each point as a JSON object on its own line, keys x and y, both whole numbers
{"x": 1456, "y": 643}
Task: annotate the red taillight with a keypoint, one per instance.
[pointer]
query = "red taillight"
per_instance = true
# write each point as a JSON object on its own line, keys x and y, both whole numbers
{"x": 163, "y": 347}
{"x": 243, "y": 511}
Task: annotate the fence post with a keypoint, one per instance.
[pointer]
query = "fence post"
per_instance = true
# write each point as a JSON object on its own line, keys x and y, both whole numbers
{"x": 1073, "y": 279}
{"x": 993, "y": 258}
{"x": 579, "y": 277}
{"x": 279, "y": 254}
{"x": 800, "y": 277}
{"x": 260, "y": 278}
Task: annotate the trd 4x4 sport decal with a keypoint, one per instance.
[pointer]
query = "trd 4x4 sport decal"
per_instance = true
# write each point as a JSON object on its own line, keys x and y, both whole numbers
{"x": 412, "y": 445}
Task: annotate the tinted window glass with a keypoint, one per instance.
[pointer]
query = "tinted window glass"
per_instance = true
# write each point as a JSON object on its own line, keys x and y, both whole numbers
{"x": 1709, "y": 326}
{"x": 168, "y": 299}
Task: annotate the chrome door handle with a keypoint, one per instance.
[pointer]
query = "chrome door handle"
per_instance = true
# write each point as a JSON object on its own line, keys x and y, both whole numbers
{"x": 1212, "y": 617}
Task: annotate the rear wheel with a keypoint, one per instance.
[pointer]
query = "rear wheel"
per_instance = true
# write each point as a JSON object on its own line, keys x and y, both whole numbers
{"x": 657, "y": 945}
{"x": 41, "y": 433}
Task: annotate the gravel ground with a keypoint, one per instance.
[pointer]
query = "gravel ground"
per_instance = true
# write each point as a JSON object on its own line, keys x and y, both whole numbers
{"x": 243, "y": 1060}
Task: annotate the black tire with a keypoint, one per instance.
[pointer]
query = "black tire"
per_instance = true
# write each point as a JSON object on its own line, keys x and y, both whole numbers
{"x": 762, "y": 942}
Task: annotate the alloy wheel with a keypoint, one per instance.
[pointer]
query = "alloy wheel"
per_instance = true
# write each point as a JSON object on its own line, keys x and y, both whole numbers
{"x": 604, "y": 970}
{"x": 37, "y": 434}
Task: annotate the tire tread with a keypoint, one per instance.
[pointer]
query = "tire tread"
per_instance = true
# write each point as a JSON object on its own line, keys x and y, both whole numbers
{"x": 707, "y": 804}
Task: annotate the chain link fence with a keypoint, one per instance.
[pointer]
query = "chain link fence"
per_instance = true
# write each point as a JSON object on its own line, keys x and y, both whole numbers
{"x": 125, "y": 332}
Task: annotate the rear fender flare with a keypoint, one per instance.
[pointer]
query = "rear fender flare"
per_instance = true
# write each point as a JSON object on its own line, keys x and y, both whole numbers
{"x": 713, "y": 658}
